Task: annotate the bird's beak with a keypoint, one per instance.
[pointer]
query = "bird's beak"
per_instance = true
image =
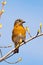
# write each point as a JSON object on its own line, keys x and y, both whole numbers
{"x": 23, "y": 22}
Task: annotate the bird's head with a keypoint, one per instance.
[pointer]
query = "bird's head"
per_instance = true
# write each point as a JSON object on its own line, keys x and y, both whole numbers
{"x": 19, "y": 22}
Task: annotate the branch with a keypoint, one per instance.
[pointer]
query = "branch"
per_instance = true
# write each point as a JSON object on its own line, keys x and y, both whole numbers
{"x": 19, "y": 59}
{"x": 31, "y": 38}
{"x": 6, "y": 46}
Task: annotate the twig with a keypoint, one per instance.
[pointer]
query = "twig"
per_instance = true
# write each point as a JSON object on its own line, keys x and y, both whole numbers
{"x": 6, "y": 46}
{"x": 10, "y": 62}
{"x": 5, "y": 56}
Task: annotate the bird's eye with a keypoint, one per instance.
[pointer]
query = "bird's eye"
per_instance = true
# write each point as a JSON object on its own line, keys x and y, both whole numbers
{"x": 19, "y": 20}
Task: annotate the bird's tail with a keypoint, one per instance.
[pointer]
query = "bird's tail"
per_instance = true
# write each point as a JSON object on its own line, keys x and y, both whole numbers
{"x": 16, "y": 50}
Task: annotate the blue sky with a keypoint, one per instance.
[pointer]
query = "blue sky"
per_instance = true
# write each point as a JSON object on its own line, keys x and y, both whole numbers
{"x": 32, "y": 12}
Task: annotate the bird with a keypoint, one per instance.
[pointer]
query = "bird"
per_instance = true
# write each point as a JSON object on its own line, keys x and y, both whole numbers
{"x": 18, "y": 33}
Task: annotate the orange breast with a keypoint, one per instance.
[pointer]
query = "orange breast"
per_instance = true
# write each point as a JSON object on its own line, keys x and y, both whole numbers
{"x": 19, "y": 30}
